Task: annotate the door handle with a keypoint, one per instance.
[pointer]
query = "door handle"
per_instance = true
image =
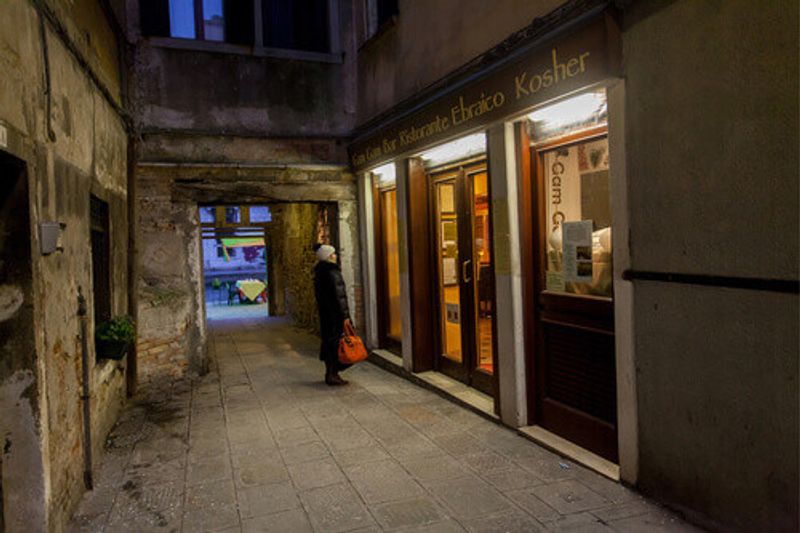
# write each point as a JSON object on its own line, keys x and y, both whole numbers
{"x": 466, "y": 275}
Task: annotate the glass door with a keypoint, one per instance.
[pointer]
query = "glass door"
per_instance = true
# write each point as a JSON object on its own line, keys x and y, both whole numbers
{"x": 391, "y": 330}
{"x": 465, "y": 277}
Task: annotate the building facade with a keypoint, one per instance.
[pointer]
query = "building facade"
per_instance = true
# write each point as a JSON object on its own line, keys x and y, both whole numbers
{"x": 544, "y": 205}
{"x": 581, "y": 216}
{"x": 256, "y": 115}
{"x": 64, "y": 157}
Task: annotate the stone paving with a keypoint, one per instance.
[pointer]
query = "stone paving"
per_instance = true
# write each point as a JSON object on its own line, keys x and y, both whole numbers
{"x": 261, "y": 444}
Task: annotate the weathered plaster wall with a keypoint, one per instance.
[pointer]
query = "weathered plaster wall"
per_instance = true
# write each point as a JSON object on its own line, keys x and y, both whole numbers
{"x": 431, "y": 39}
{"x": 167, "y": 301}
{"x": 219, "y": 92}
{"x": 42, "y": 460}
{"x": 712, "y": 159}
{"x": 293, "y": 235}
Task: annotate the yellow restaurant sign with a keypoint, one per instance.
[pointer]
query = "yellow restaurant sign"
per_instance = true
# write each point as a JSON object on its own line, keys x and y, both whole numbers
{"x": 588, "y": 55}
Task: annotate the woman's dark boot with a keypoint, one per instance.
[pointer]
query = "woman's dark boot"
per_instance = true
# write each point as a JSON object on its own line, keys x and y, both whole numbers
{"x": 329, "y": 372}
{"x": 339, "y": 380}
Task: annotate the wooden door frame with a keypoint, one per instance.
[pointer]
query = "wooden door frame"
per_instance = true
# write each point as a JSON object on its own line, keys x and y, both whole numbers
{"x": 419, "y": 265}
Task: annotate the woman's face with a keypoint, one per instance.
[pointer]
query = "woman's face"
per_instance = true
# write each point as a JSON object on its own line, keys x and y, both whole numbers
{"x": 332, "y": 257}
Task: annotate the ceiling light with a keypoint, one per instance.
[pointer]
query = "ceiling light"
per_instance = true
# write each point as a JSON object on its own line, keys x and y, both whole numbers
{"x": 572, "y": 111}
{"x": 462, "y": 148}
{"x": 385, "y": 173}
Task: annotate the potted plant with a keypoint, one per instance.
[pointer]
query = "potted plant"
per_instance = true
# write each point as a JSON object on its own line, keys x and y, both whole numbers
{"x": 113, "y": 338}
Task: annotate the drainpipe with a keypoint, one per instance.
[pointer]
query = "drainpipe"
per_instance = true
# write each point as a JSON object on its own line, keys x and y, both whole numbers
{"x": 86, "y": 396}
{"x": 133, "y": 271}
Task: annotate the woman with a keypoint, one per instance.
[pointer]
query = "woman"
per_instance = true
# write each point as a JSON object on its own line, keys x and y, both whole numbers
{"x": 333, "y": 311}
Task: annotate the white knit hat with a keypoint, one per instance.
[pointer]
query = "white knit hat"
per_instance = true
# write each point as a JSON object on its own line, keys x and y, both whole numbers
{"x": 325, "y": 251}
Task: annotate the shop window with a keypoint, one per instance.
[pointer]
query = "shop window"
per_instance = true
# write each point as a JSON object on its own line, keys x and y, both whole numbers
{"x": 578, "y": 218}
{"x": 101, "y": 269}
{"x": 570, "y": 138}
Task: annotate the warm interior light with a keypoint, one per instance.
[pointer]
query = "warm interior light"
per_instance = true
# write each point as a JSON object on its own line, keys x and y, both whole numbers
{"x": 462, "y": 148}
{"x": 385, "y": 174}
{"x": 573, "y": 111}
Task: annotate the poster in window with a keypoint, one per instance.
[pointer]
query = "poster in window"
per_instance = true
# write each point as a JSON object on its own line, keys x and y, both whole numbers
{"x": 447, "y": 198}
{"x": 449, "y": 271}
{"x": 577, "y": 245}
{"x": 449, "y": 233}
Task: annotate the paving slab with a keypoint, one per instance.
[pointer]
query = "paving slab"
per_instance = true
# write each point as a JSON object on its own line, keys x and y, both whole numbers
{"x": 261, "y": 444}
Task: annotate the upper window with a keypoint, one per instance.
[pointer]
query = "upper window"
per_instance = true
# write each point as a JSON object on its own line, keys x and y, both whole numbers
{"x": 378, "y": 13}
{"x": 296, "y": 24}
{"x": 184, "y": 16}
{"x": 287, "y": 24}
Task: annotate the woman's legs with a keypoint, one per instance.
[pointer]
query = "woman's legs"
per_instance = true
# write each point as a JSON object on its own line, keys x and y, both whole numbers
{"x": 330, "y": 356}
{"x": 332, "y": 376}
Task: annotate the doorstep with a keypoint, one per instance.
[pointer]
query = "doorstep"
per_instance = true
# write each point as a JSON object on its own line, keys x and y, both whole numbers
{"x": 447, "y": 387}
{"x": 483, "y": 404}
{"x": 568, "y": 449}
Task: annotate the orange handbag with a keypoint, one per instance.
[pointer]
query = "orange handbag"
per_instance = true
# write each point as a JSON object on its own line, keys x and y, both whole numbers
{"x": 351, "y": 348}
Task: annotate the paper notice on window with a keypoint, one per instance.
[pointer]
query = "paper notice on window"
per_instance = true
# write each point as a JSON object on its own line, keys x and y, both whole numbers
{"x": 449, "y": 272}
{"x": 555, "y": 281}
{"x": 577, "y": 239}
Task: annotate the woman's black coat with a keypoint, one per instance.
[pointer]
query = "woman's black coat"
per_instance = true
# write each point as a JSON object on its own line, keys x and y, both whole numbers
{"x": 332, "y": 304}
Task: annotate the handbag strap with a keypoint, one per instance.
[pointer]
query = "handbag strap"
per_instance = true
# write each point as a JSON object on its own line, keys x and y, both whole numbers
{"x": 348, "y": 329}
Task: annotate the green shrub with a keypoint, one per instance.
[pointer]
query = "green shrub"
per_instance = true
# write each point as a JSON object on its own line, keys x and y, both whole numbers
{"x": 120, "y": 329}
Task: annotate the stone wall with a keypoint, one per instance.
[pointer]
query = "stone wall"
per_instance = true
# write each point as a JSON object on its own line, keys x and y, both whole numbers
{"x": 169, "y": 334}
{"x": 71, "y": 140}
{"x": 293, "y": 236}
{"x": 712, "y": 160}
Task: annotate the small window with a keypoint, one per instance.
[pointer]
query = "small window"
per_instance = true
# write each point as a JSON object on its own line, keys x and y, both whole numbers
{"x": 190, "y": 19}
{"x": 260, "y": 214}
{"x": 233, "y": 215}
{"x": 296, "y": 24}
{"x": 379, "y": 13}
{"x": 101, "y": 251}
{"x": 213, "y": 20}
{"x": 208, "y": 214}
{"x": 386, "y": 10}
{"x": 220, "y": 251}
